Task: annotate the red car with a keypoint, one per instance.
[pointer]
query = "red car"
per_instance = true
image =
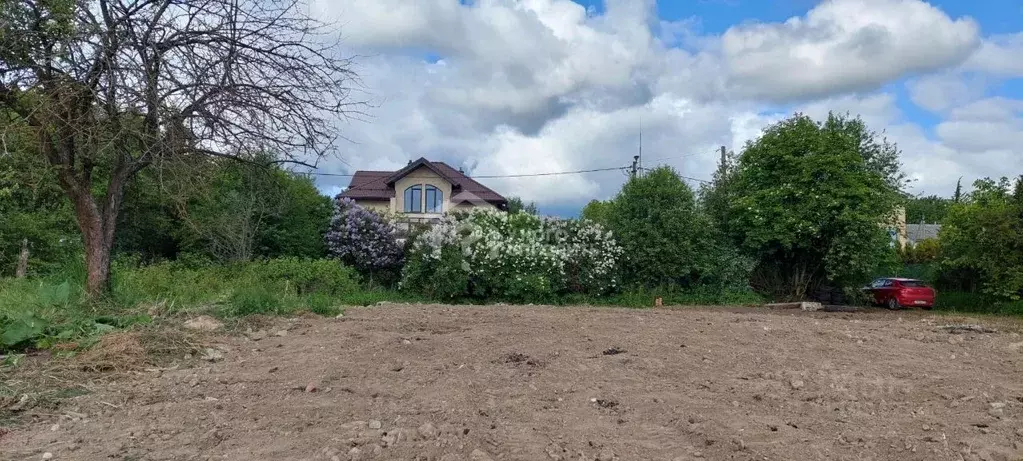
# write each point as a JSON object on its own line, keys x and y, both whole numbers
{"x": 897, "y": 293}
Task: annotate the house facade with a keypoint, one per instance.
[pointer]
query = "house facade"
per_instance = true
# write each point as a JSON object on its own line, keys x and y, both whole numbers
{"x": 904, "y": 234}
{"x": 423, "y": 189}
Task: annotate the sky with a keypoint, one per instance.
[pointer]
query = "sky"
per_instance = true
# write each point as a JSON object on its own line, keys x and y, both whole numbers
{"x": 506, "y": 87}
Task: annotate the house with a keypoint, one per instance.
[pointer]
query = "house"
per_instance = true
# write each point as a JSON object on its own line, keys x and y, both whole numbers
{"x": 904, "y": 234}
{"x": 422, "y": 190}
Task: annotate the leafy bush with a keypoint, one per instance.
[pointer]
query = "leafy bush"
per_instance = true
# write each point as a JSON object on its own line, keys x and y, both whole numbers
{"x": 39, "y": 314}
{"x": 922, "y": 252}
{"x": 668, "y": 240}
{"x": 982, "y": 241}
{"x": 488, "y": 254}
{"x": 362, "y": 238}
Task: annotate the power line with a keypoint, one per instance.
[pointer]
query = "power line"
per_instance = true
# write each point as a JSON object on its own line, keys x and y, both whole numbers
{"x": 524, "y": 175}
{"x": 685, "y": 177}
{"x": 594, "y": 170}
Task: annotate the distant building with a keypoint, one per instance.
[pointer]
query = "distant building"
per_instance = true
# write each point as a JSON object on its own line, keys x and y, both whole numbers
{"x": 423, "y": 190}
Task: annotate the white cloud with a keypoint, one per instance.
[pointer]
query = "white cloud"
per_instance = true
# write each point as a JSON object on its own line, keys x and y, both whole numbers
{"x": 536, "y": 86}
{"x": 944, "y": 91}
{"x": 999, "y": 55}
{"x": 991, "y": 128}
{"x": 845, "y": 45}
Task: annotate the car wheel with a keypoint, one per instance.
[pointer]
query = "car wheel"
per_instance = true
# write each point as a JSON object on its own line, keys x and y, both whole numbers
{"x": 893, "y": 304}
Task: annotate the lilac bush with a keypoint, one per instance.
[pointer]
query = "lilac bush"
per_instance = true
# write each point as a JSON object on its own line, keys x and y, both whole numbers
{"x": 362, "y": 238}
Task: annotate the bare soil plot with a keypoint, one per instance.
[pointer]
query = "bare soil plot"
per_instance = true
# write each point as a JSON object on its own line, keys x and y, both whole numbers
{"x": 538, "y": 383}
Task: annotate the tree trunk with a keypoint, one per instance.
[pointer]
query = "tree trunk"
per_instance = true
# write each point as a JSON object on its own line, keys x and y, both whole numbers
{"x": 97, "y": 226}
{"x": 97, "y": 264}
{"x": 22, "y": 269}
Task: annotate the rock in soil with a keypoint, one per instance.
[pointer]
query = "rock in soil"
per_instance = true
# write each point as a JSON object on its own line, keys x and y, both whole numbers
{"x": 212, "y": 355}
{"x": 427, "y": 431}
{"x": 479, "y": 455}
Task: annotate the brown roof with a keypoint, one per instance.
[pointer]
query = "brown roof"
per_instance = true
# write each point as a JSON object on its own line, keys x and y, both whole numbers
{"x": 370, "y": 185}
{"x": 379, "y": 185}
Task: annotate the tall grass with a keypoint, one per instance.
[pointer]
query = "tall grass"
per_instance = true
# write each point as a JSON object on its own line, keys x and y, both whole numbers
{"x": 43, "y": 312}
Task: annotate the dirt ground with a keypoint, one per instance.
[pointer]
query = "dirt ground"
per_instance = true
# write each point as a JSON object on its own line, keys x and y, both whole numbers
{"x": 548, "y": 383}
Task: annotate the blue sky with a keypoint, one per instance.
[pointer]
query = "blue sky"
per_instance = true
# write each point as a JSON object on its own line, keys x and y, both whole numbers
{"x": 507, "y": 87}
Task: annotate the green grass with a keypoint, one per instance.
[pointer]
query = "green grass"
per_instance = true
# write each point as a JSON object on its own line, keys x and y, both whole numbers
{"x": 644, "y": 297}
{"x": 972, "y": 303}
{"x": 43, "y": 312}
{"x": 40, "y": 313}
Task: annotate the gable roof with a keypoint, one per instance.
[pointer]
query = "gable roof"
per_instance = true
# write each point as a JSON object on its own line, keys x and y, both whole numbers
{"x": 379, "y": 185}
{"x": 422, "y": 162}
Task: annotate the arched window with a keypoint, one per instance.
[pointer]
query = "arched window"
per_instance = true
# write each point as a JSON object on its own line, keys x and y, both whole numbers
{"x": 414, "y": 199}
{"x": 434, "y": 200}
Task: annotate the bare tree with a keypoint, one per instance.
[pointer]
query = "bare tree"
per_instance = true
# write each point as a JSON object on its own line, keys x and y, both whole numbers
{"x": 106, "y": 88}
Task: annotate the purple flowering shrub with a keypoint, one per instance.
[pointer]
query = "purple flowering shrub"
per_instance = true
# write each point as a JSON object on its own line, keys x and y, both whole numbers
{"x": 362, "y": 238}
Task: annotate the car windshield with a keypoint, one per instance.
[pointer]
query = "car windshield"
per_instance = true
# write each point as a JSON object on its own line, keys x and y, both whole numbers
{"x": 913, "y": 283}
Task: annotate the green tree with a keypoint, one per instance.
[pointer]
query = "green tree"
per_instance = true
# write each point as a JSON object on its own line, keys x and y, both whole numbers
{"x": 516, "y": 205}
{"x": 103, "y": 90}
{"x": 225, "y": 210}
{"x": 931, "y": 209}
{"x": 809, "y": 202}
{"x": 667, "y": 240}
{"x": 297, "y": 229}
{"x": 982, "y": 241}
{"x": 958, "y": 195}
{"x": 597, "y": 211}
{"x": 32, "y": 208}
{"x": 239, "y": 211}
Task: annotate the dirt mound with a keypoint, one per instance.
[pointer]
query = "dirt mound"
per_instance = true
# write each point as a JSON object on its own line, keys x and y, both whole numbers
{"x": 447, "y": 383}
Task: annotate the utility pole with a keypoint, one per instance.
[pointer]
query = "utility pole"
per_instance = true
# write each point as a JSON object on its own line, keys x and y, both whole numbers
{"x": 635, "y": 167}
{"x": 723, "y": 166}
{"x": 640, "y": 157}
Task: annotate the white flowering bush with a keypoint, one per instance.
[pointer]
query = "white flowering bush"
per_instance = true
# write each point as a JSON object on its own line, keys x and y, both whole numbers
{"x": 490, "y": 254}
